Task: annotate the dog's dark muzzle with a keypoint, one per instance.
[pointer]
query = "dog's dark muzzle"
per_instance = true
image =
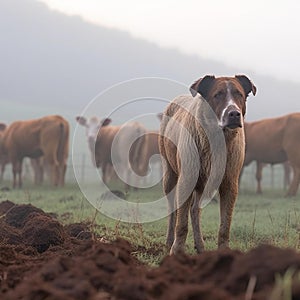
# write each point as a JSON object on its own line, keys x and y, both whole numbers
{"x": 233, "y": 119}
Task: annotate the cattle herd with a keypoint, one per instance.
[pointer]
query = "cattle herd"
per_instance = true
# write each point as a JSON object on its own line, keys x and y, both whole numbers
{"x": 126, "y": 150}
{"x": 46, "y": 142}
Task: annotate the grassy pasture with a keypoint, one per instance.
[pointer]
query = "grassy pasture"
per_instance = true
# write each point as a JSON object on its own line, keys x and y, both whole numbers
{"x": 268, "y": 218}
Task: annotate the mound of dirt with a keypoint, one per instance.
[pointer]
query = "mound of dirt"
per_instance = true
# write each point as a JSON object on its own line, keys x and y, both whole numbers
{"x": 19, "y": 214}
{"x": 5, "y": 206}
{"x": 30, "y": 226}
{"x": 42, "y": 231}
{"x": 41, "y": 259}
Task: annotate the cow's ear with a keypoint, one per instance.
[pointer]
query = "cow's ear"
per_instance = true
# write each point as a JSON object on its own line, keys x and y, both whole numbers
{"x": 106, "y": 122}
{"x": 202, "y": 86}
{"x": 81, "y": 120}
{"x": 2, "y": 126}
{"x": 159, "y": 116}
{"x": 246, "y": 83}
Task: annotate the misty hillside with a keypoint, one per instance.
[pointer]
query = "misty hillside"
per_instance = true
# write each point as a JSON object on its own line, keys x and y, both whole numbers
{"x": 52, "y": 60}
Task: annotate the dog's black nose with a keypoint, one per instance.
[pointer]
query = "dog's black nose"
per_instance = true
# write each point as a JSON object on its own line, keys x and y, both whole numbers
{"x": 234, "y": 119}
{"x": 234, "y": 114}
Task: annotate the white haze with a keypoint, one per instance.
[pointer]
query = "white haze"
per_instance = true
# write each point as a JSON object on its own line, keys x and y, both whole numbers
{"x": 262, "y": 36}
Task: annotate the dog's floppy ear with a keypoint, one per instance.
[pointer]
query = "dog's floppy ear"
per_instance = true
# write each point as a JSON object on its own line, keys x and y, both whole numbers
{"x": 202, "y": 86}
{"x": 246, "y": 83}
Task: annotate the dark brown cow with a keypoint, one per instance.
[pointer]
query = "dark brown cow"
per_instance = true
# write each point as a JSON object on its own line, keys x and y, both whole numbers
{"x": 187, "y": 160}
{"x": 47, "y": 137}
{"x": 273, "y": 141}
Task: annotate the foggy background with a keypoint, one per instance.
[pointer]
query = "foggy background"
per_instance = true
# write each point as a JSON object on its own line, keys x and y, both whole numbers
{"x": 55, "y": 63}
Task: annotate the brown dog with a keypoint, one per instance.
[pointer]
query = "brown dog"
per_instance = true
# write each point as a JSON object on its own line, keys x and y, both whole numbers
{"x": 188, "y": 126}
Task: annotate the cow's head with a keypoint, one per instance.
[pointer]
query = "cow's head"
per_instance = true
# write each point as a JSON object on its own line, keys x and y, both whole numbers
{"x": 93, "y": 125}
{"x": 226, "y": 96}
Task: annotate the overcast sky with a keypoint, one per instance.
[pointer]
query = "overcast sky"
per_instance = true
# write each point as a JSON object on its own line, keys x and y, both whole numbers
{"x": 259, "y": 35}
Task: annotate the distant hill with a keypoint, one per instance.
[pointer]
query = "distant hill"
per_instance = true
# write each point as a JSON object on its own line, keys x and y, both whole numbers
{"x": 52, "y": 60}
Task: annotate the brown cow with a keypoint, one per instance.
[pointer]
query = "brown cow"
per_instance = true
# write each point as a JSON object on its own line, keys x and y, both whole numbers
{"x": 273, "y": 141}
{"x": 188, "y": 162}
{"x": 47, "y": 137}
{"x": 114, "y": 145}
{"x": 35, "y": 162}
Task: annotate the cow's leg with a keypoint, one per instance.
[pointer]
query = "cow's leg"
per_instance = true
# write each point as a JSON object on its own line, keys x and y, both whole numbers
{"x": 63, "y": 169}
{"x": 52, "y": 168}
{"x": 52, "y": 173}
{"x": 34, "y": 166}
{"x": 127, "y": 178}
{"x": 195, "y": 212}
{"x": 41, "y": 173}
{"x": 60, "y": 170}
{"x": 126, "y": 183}
{"x": 259, "y": 168}
{"x": 104, "y": 173}
{"x": 38, "y": 170}
{"x": 169, "y": 183}
{"x": 57, "y": 174}
{"x": 18, "y": 174}
{"x": 2, "y": 170}
{"x": 287, "y": 175}
{"x": 183, "y": 203}
{"x": 14, "y": 170}
{"x": 51, "y": 162}
{"x": 295, "y": 182}
{"x": 228, "y": 194}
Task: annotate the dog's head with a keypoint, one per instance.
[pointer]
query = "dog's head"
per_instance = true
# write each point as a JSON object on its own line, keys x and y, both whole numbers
{"x": 226, "y": 96}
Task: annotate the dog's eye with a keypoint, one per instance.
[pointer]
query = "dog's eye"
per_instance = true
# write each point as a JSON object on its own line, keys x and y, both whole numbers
{"x": 219, "y": 95}
{"x": 238, "y": 94}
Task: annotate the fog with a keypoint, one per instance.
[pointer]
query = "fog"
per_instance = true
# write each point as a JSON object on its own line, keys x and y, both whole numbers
{"x": 55, "y": 63}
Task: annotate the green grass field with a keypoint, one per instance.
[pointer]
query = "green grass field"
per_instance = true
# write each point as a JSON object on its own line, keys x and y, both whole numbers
{"x": 268, "y": 218}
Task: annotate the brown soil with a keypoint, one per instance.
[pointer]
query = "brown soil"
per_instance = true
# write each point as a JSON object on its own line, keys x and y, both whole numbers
{"x": 42, "y": 259}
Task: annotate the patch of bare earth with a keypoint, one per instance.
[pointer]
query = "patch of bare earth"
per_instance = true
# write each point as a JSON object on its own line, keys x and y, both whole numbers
{"x": 42, "y": 259}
